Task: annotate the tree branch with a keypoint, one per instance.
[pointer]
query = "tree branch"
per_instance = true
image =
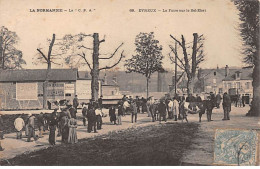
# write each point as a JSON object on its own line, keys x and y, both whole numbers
{"x": 201, "y": 45}
{"x": 177, "y": 55}
{"x": 42, "y": 54}
{"x": 176, "y": 40}
{"x": 79, "y": 47}
{"x": 177, "y": 63}
{"x": 114, "y": 52}
{"x": 109, "y": 67}
{"x": 50, "y": 47}
{"x": 84, "y": 57}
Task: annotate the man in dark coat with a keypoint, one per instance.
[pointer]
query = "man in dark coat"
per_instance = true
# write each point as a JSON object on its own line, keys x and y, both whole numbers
{"x": 218, "y": 100}
{"x": 243, "y": 100}
{"x": 213, "y": 99}
{"x": 73, "y": 112}
{"x": 100, "y": 102}
{"x": 1, "y": 128}
{"x": 91, "y": 116}
{"x": 75, "y": 102}
{"x": 84, "y": 113}
{"x": 64, "y": 126}
{"x": 138, "y": 104}
{"x": 209, "y": 107}
{"x": 226, "y": 106}
{"x": 198, "y": 99}
{"x": 112, "y": 114}
{"x": 162, "y": 111}
{"x": 40, "y": 123}
{"x": 53, "y": 124}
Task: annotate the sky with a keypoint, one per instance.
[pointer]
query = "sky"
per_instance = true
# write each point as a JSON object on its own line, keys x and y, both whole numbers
{"x": 113, "y": 20}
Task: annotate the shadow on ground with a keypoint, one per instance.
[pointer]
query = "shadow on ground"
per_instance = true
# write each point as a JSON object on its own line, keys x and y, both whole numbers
{"x": 152, "y": 145}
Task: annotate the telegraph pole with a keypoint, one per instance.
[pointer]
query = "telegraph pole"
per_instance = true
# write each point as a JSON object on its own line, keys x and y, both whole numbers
{"x": 175, "y": 78}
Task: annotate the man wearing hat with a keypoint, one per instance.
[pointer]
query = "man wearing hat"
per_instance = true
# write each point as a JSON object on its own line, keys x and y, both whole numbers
{"x": 31, "y": 128}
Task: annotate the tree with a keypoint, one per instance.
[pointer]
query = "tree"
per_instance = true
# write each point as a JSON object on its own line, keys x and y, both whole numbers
{"x": 249, "y": 28}
{"x": 148, "y": 58}
{"x": 49, "y": 59}
{"x": 10, "y": 57}
{"x": 75, "y": 44}
{"x": 187, "y": 63}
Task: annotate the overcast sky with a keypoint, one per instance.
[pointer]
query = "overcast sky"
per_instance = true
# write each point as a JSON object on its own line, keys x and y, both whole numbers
{"x": 113, "y": 19}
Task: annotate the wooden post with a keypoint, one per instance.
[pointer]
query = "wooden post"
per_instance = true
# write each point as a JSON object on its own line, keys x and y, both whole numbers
{"x": 175, "y": 78}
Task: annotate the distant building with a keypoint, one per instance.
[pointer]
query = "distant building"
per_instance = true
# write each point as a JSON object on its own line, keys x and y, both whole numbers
{"x": 218, "y": 80}
{"x": 110, "y": 88}
{"x": 241, "y": 80}
{"x": 209, "y": 80}
{"x": 23, "y": 89}
{"x": 83, "y": 84}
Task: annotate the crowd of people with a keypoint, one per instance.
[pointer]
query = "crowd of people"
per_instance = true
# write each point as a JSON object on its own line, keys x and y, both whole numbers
{"x": 64, "y": 121}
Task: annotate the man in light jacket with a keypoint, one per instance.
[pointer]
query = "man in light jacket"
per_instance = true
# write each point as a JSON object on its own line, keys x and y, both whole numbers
{"x": 31, "y": 128}
{"x": 19, "y": 124}
{"x": 175, "y": 108}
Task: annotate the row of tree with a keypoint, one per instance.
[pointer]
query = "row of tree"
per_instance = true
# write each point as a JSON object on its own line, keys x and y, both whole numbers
{"x": 148, "y": 57}
{"x": 146, "y": 61}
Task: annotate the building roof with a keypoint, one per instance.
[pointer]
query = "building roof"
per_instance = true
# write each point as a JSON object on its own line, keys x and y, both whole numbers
{"x": 38, "y": 75}
{"x": 246, "y": 74}
{"x": 84, "y": 75}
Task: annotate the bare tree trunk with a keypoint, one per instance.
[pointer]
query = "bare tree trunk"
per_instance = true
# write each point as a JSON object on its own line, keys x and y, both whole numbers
{"x": 45, "y": 87}
{"x": 45, "y": 83}
{"x": 189, "y": 90}
{"x": 95, "y": 70}
{"x": 1, "y": 52}
{"x": 147, "y": 87}
{"x": 194, "y": 54}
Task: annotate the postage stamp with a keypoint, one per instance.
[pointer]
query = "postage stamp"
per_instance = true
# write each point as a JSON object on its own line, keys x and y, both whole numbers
{"x": 235, "y": 147}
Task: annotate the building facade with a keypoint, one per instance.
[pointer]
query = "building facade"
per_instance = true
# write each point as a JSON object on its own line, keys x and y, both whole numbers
{"x": 23, "y": 89}
{"x": 240, "y": 80}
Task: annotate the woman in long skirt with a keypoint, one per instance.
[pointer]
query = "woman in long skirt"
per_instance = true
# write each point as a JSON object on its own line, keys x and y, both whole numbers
{"x": 65, "y": 129}
{"x": 72, "y": 131}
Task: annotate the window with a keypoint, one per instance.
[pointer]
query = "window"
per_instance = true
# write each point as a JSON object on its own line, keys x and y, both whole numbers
{"x": 67, "y": 94}
{"x": 229, "y": 85}
{"x": 112, "y": 92}
{"x": 214, "y": 88}
{"x": 215, "y": 73}
{"x": 247, "y": 85}
{"x": 238, "y": 86}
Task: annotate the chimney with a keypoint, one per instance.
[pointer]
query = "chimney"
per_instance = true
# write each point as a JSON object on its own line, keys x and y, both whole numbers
{"x": 226, "y": 71}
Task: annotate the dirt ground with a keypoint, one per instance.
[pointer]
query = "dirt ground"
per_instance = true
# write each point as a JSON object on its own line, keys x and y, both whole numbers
{"x": 161, "y": 144}
{"x": 141, "y": 143}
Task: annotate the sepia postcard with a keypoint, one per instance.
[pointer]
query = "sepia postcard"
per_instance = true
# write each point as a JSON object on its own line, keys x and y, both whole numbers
{"x": 129, "y": 83}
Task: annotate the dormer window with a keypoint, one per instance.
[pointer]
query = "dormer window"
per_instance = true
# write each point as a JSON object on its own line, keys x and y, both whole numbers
{"x": 237, "y": 74}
